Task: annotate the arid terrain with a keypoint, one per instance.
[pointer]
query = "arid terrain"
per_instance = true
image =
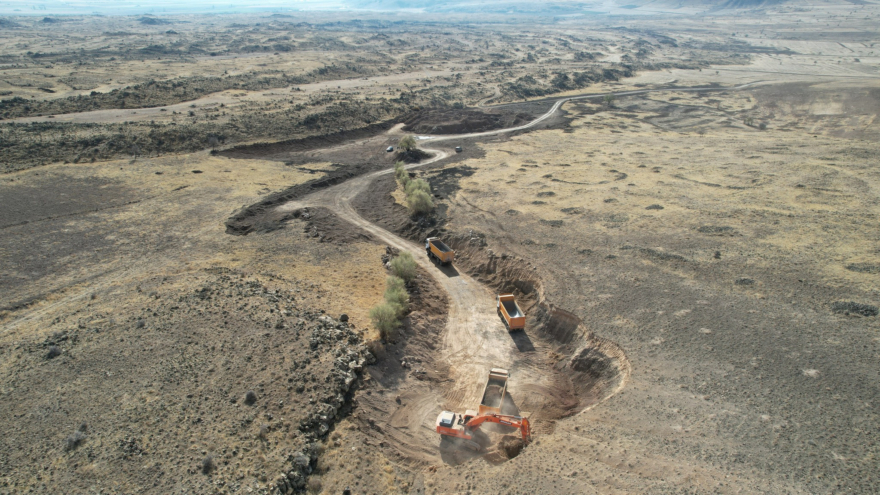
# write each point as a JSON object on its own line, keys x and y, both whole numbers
{"x": 199, "y": 212}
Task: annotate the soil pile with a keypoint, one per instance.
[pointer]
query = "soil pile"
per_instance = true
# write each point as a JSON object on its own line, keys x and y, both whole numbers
{"x": 462, "y": 121}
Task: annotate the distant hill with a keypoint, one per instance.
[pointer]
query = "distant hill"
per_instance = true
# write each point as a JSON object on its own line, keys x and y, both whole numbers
{"x": 152, "y": 21}
{"x": 555, "y": 7}
{"x": 7, "y": 24}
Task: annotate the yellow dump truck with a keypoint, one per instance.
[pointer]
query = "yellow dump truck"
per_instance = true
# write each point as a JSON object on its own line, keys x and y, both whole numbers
{"x": 496, "y": 388}
{"x": 439, "y": 251}
{"x": 510, "y": 311}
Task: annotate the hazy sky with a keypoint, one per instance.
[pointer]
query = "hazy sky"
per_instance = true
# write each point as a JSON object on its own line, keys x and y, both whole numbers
{"x": 160, "y": 7}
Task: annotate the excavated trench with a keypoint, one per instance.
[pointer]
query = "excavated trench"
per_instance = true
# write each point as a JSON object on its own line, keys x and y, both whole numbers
{"x": 558, "y": 367}
{"x": 587, "y": 369}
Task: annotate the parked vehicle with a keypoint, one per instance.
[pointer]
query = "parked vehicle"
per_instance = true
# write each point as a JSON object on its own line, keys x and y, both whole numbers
{"x": 463, "y": 426}
{"x": 511, "y": 312}
{"x": 439, "y": 251}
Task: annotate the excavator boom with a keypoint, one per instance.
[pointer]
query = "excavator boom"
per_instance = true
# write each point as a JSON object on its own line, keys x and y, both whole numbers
{"x": 503, "y": 419}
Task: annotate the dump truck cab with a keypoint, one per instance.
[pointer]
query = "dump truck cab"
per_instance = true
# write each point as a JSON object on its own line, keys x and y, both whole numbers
{"x": 510, "y": 311}
{"x": 439, "y": 251}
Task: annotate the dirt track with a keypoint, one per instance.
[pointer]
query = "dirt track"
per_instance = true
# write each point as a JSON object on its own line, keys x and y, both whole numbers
{"x": 474, "y": 339}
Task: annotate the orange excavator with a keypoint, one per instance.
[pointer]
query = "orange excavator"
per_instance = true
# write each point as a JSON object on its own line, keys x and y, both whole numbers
{"x": 462, "y": 426}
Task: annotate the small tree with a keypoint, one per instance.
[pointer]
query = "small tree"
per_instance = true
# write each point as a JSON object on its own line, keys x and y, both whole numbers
{"x": 384, "y": 318}
{"x": 417, "y": 185}
{"x": 404, "y": 266}
{"x": 608, "y": 100}
{"x": 419, "y": 202}
{"x": 407, "y": 143}
{"x": 396, "y": 294}
{"x": 401, "y": 173}
{"x": 213, "y": 142}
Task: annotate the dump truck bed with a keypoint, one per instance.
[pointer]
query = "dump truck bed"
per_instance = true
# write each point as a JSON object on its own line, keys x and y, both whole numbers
{"x": 512, "y": 309}
{"x": 440, "y": 245}
{"x": 511, "y": 312}
{"x": 496, "y": 388}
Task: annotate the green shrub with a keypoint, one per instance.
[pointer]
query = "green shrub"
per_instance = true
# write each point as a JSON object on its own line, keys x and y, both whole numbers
{"x": 404, "y": 266}
{"x": 395, "y": 283}
{"x": 417, "y": 185}
{"x": 385, "y": 319}
{"x": 396, "y": 295}
{"x": 407, "y": 143}
{"x": 401, "y": 174}
{"x": 419, "y": 202}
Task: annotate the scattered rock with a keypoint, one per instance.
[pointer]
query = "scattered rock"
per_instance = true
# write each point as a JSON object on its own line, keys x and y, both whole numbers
{"x": 716, "y": 230}
{"x": 744, "y": 281}
{"x": 77, "y": 438}
{"x": 54, "y": 351}
{"x": 853, "y": 308}
{"x": 864, "y": 268}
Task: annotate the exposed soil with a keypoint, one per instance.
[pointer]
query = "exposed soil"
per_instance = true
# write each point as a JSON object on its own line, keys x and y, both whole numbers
{"x": 463, "y": 121}
{"x": 261, "y": 217}
{"x": 594, "y": 370}
{"x": 283, "y": 150}
{"x": 55, "y": 196}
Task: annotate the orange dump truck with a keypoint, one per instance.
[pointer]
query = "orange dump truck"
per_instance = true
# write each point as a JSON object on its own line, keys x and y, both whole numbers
{"x": 511, "y": 312}
{"x": 439, "y": 251}
{"x": 496, "y": 389}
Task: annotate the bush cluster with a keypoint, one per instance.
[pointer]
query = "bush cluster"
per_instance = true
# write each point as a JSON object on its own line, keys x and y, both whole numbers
{"x": 386, "y": 316}
{"x": 418, "y": 191}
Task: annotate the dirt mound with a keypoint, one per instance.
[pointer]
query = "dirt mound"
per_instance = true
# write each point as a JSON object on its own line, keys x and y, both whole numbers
{"x": 864, "y": 268}
{"x": 492, "y": 396}
{"x": 261, "y": 217}
{"x": 854, "y": 308}
{"x": 414, "y": 155}
{"x": 462, "y": 121}
{"x": 275, "y": 151}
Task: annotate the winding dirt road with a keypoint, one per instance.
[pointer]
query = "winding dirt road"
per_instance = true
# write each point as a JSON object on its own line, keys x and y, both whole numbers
{"x": 474, "y": 339}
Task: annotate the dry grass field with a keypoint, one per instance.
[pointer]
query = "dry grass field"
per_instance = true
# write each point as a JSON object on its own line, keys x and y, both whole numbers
{"x": 697, "y": 254}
